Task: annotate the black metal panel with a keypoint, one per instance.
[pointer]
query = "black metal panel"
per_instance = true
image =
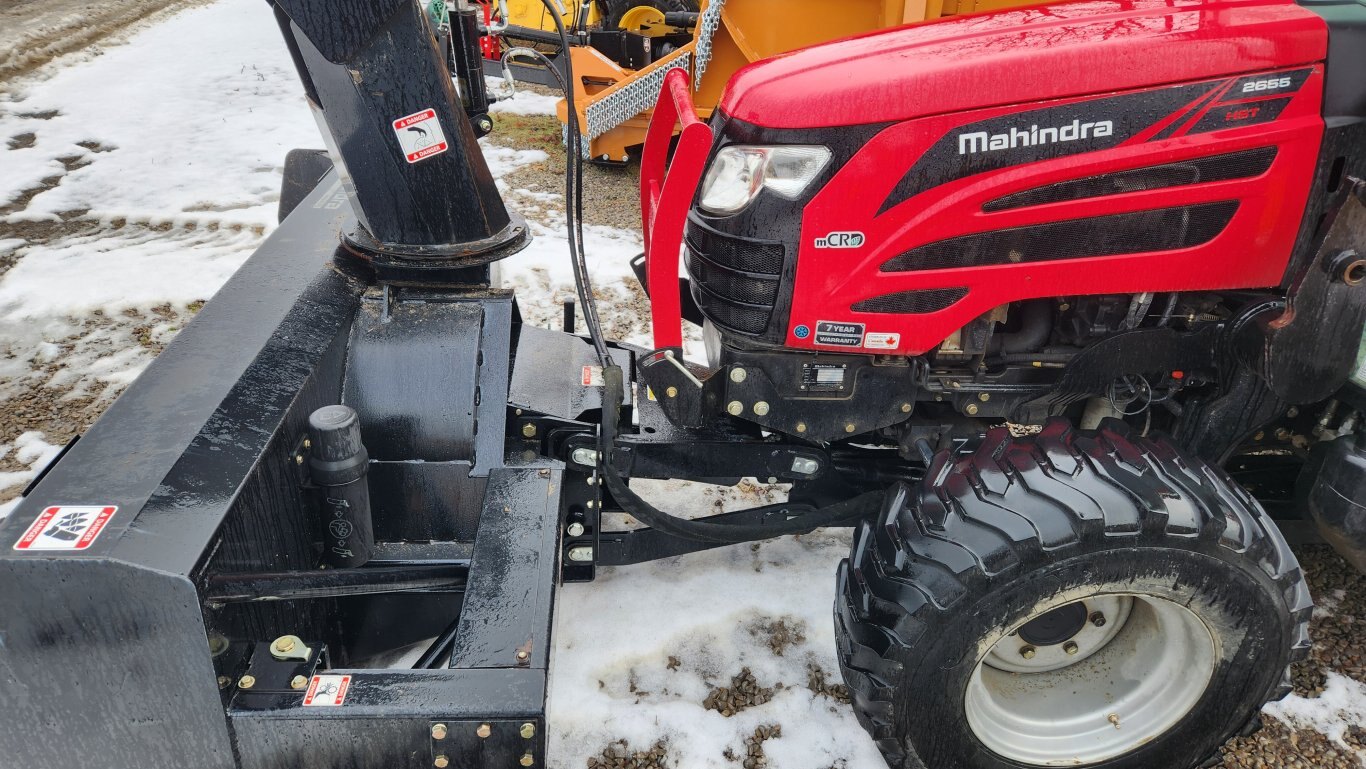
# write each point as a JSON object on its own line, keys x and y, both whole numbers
{"x": 421, "y": 501}
{"x": 547, "y": 374}
{"x": 510, "y": 594}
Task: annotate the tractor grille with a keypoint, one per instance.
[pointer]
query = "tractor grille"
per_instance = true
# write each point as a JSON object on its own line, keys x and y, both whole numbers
{"x": 1215, "y": 168}
{"x": 912, "y": 302}
{"x": 735, "y": 281}
{"x": 1161, "y": 229}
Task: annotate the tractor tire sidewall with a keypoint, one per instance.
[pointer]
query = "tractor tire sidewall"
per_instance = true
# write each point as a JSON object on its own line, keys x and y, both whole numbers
{"x": 1242, "y": 610}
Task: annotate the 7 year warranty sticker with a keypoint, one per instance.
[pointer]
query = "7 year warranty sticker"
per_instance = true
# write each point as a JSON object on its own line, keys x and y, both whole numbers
{"x": 420, "y": 135}
{"x": 66, "y": 527}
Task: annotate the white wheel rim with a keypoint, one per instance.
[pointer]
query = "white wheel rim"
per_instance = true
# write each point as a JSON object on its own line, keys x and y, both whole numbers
{"x": 1124, "y": 685}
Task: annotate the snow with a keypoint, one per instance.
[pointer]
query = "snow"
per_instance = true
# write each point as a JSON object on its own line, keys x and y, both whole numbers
{"x": 522, "y": 102}
{"x": 29, "y": 449}
{"x": 1342, "y": 704}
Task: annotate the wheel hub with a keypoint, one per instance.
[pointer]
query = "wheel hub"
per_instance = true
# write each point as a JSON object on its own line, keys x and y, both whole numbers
{"x": 1055, "y": 627}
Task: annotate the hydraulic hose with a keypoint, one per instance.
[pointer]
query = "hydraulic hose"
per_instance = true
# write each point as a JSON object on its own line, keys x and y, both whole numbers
{"x": 800, "y": 519}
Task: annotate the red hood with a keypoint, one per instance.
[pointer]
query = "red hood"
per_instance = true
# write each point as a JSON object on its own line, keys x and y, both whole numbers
{"x": 1029, "y": 54}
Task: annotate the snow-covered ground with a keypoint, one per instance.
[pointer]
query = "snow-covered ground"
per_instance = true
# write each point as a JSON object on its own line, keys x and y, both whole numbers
{"x": 134, "y": 182}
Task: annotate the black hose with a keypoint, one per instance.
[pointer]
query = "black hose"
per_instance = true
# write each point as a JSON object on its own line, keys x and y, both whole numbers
{"x": 800, "y": 518}
{"x": 1036, "y": 323}
{"x": 573, "y": 204}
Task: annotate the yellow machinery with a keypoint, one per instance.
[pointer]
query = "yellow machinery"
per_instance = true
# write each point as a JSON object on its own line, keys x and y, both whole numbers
{"x": 613, "y": 102}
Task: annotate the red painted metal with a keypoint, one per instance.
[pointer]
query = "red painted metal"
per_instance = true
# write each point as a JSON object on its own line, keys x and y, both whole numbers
{"x": 1026, "y": 55}
{"x": 1251, "y": 252}
{"x": 665, "y": 198}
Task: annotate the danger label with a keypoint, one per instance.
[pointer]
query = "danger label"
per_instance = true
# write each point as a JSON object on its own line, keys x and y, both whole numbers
{"x": 839, "y": 334}
{"x": 592, "y": 376}
{"x": 66, "y": 527}
{"x": 420, "y": 135}
{"x": 327, "y": 691}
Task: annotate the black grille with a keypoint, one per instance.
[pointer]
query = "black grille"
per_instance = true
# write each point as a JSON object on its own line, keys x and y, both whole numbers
{"x": 730, "y": 284}
{"x": 737, "y": 254}
{"x": 1215, "y": 168}
{"x": 1160, "y": 229}
{"x": 739, "y": 317}
{"x": 912, "y": 302}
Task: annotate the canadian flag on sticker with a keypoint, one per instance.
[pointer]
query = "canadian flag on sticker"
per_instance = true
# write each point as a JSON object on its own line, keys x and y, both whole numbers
{"x": 66, "y": 527}
{"x": 420, "y": 135}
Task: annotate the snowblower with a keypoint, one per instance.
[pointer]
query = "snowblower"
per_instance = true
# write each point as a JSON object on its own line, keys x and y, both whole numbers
{"x": 1059, "y": 308}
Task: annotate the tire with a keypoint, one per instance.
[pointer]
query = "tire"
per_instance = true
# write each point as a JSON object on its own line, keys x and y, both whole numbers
{"x": 613, "y": 10}
{"x": 931, "y": 607}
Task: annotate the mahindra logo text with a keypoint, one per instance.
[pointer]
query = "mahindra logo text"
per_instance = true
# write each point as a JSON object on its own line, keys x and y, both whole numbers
{"x": 981, "y": 141}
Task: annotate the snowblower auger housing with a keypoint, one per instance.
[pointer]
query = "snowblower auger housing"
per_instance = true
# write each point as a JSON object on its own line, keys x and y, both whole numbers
{"x": 326, "y": 527}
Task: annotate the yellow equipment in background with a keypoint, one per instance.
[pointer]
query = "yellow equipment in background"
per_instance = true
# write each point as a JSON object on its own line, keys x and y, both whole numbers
{"x": 613, "y": 102}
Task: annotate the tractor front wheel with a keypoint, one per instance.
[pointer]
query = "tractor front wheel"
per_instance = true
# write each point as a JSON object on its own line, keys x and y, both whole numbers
{"x": 1072, "y": 598}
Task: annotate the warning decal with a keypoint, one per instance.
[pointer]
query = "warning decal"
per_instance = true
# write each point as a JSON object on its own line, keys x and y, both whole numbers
{"x": 66, "y": 527}
{"x": 592, "y": 376}
{"x": 420, "y": 135}
{"x": 327, "y": 691}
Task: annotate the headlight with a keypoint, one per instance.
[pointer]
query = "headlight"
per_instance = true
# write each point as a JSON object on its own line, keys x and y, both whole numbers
{"x": 738, "y": 172}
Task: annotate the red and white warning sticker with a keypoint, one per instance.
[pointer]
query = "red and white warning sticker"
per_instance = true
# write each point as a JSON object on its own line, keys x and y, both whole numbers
{"x": 592, "y": 376}
{"x": 420, "y": 135}
{"x": 66, "y": 527}
{"x": 327, "y": 691}
{"x": 881, "y": 341}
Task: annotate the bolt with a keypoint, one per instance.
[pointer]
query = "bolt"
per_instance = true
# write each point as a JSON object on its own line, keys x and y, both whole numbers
{"x": 735, "y": 408}
{"x": 1114, "y": 719}
{"x": 523, "y": 655}
{"x": 246, "y": 682}
{"x": 298, "y": 459}
{"x": 801, "y": 427}
{"x": 308, "y": 444}
{"x": 1027, "y": 652}
{"x": 284, "y": 644}
{"x": 1282, "y": 434}
{"x": 761, "y": 408}
{"x": 441, "y": 762}
{"x": 672, "y": 392}
{"x": 954, "y": 383}
{"x": 223, "y": 682}
{"x": 971, "y": 409}
{"x": 484, "y": 731}
{"x": 298, "y": 682}
{"x": 529, "y": 430}
{"x": 528, "y": 731}
{"x": 1261, "y": 435}
{"x": 1071, "y": 647}
{"x": 905, "y": 408}
{"x": 849, "y": 428}
{"x": 737, "y": 375}
{"x": 527, "y": 760}
{"x": 578, "y": 555}
{"x": 439, "y": 731}
{"x": 1098, "y": 619}
{"x": 587, "y": 457}
{"x": 1293, "y": 412}
{"x": 575, "y": 529}
{"x": 984, "y": 397}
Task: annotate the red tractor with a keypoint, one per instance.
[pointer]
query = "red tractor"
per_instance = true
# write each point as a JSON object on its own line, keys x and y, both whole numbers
{"x": 1136, "y": 224}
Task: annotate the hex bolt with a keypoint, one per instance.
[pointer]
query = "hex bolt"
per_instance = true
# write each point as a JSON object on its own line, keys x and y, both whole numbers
{"x": 284, "y": 644}
{"x": 801, "y": 427}
{"x": 484, "y": 731}
{"x": 735, "y": 408}
{"x": 246, "y": 682}
{"x": 528, "y": 730}
{"x": 298, "y": 682}
{"x": 308, "y": 443}
{"x": 298, "y": 459}
{"x": 1098, "y": 619}
{"x": 971, "y": 409}
{"x": 1282, "y": 434}
{"x": 439, "y": 731}
{"x": 672, "y": 392}
{"x": 1071, "y": 647}
{"x": 905, "y": 408}
{"x": 849, "y": 428}
{"x": 527, "y": 760}
{"x": 1027, "y": 652}
{"x": 529, "y": 430}
{"x": 574, "y": 529}
{"x": 224, "y": 682}
{"x": 984, "y": 397}
{"x": 441, "y": 762}
{"x": 738, "y": 375}
{"x": 761, "y": 408}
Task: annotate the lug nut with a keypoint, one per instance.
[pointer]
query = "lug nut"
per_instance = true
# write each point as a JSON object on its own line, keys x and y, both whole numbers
{"x": 1071, "y": 647}
{"x": 298, "y": 682}
{"x": 528, "y": 731}
{"x": 439, "y": 731}
{"x": 1027, "y": 652}
{"x": 246, "y": 682}
{"x": 484, "y": 731}
{"x": 1098, "y": 619}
